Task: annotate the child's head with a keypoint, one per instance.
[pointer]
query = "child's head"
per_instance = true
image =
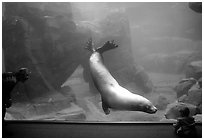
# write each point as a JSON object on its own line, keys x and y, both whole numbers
{"x": 184, "y": 112}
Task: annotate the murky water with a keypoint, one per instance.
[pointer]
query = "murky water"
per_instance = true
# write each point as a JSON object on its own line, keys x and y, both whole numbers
{"x": 158, "y": 43}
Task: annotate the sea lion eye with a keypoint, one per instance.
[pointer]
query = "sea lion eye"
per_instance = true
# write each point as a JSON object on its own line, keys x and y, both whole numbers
{"x": 147, "y": 107}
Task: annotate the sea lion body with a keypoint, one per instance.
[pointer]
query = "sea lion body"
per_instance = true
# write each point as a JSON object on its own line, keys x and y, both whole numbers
{"x": 113, "y": 95}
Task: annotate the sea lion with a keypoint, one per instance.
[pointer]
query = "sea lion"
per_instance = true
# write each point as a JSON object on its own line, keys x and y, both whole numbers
{"x": 112, "y": 94}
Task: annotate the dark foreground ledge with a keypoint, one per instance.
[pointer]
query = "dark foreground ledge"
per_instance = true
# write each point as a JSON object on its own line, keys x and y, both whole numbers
{"x": 59, "y": 129}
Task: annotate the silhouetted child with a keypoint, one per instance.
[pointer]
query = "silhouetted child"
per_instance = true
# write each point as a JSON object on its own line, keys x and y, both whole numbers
{"x": 185, "y": 125}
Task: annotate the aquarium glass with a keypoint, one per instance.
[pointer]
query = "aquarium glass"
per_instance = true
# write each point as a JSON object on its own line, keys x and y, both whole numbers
{"x": 159, "y": 57}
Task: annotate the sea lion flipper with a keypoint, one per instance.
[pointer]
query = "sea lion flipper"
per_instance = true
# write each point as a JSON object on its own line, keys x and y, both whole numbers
{"x": 105, "y": 108}
{"x": 90, "y": 45}
{"x": 107, "y": 46}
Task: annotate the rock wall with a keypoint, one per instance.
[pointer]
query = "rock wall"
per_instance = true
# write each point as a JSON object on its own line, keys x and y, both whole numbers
{"x": 44, "y": 38}
{"x": 28, "y": 41}
{"x": 194, "y": 69}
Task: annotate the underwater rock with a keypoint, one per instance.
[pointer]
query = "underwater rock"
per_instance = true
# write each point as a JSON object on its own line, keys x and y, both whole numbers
{"x": 155, "y": 62}
{"x": 196, "y": 6}
{"x": 193, "y": 97}
{"x": 170, "y": 63}
{"x": 172, "y": 111}
{"x": 50, "y": 110}
{"x": 162, "y": 102}
{"x": 137, "y": 75}
{"x": 161, "y": 62}
{"x": 200, "y": 108}
{"x": 200, "y": 82}
{"x": 16, "y": 55}
{"x": 67, "y": 92}
{"x": 183, "y": 86}
{"x": 14, "y": 116}
{"x": 120, "y": 62}
{"x": 30, "y": 41}
{"x": 74, "y": 112}
{"x": 194, "y": 69}
{"x": 142, "y": 79}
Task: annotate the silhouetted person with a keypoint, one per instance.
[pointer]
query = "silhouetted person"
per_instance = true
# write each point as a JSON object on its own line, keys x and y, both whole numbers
{"x": 9, "y": 80}
{"x": 185, "y": 125}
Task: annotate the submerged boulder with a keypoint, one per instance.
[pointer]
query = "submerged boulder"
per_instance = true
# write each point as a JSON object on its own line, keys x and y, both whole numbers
{"x": 170, "y": 63}
{"x": 193, "y": 97}
{"x": 194, "y": 69}
{"x": 134, "y": 74}
{"x": 162, "y": 103}
{"x": 172, "y": 111}
{"x": 28, "y": 42}
{"x": 183, "y": 86}
{"x": 196, "y": 6}
{"x": 142, "y": 79}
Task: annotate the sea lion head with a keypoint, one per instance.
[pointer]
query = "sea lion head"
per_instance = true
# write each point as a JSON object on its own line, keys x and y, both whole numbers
{"x": 146, "y": 106}
{"x": 149, "y": 108}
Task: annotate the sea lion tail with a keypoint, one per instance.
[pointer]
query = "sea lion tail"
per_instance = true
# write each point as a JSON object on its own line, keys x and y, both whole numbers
{"x": 107, "y": 46}
{"x": 90, "y": 46}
